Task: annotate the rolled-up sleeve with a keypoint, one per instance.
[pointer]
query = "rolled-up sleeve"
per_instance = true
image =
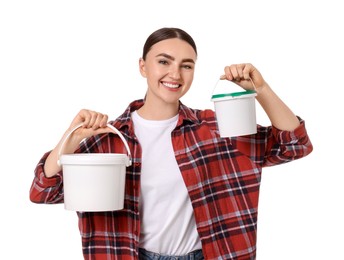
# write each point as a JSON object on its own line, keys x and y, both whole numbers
{"x": 286, "y": 146}
{"x": 44, "y": 189}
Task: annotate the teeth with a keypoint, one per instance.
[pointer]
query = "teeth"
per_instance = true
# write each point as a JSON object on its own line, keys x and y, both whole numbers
{"x": 169, "y": 85}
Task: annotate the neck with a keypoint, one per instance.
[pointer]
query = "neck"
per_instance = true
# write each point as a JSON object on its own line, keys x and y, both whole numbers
{"x": 154, "y": 112}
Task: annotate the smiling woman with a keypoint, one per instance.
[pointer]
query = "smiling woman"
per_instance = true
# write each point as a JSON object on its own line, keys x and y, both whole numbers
{"x": 189, "y": 193}
{"x": 169, "y": 68}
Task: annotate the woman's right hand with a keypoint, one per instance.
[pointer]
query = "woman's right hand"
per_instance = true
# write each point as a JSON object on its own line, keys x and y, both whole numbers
{"x": 93, "y": 123}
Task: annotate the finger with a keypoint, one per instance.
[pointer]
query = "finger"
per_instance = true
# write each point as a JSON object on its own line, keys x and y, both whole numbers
{"x": 97, "y": 120}
{"x": 240, "y": 71}
{"x": 85, "y": 117}
{"x": 100, "y": 122}
{"x": 247, "y": 71}
{"x": 104, "y": 121}
{"x": 90, "y": 119}
{"x": 234, "y": 72}
{"x": 228, "y": 74}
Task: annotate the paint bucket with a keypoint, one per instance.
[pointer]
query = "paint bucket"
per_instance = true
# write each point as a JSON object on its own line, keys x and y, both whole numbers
{"x": 235, "y": 113}
{"x": 94, "y": 182}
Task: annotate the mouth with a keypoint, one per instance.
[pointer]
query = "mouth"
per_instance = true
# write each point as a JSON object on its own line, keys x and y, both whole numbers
{"x": 171, "y": 85}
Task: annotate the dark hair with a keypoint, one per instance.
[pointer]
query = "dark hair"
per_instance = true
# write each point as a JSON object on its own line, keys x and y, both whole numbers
{"x": 164, "y": 34}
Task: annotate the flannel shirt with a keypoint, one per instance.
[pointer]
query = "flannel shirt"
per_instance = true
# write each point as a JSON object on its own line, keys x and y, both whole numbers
{"x": 222, "y": 176}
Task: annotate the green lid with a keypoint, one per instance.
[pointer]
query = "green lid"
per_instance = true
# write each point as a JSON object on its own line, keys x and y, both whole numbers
{"x": 234, "y": 94}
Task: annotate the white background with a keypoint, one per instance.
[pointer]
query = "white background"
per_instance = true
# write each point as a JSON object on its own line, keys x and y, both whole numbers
{"x": 57, "y": 57}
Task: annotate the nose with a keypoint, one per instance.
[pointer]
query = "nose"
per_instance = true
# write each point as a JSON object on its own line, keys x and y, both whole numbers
{"x": 174, "y": 72}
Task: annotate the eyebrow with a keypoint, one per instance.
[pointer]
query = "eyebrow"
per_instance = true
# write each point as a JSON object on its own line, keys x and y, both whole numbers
{"x": 172, "y": 58}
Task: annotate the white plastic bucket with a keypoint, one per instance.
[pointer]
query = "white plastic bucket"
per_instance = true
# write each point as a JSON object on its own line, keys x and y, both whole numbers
{"x": 236, "y": 113}
{"x": 94, "y": 182}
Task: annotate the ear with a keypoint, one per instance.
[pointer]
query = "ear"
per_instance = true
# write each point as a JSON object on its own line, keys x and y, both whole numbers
{"x": 142, "y": 66}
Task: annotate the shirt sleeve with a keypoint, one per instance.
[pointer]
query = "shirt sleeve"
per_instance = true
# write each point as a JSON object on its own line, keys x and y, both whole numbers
{"x": 44, "y": 189}
{"x": 284, "y": 146}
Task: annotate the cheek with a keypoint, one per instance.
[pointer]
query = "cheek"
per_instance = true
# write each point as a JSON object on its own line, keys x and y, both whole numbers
{"x": 154, "y": 72}
{"x": 153, "y": 77}
{"x": 187, "y": 84}
{"x": 188, "y": 77}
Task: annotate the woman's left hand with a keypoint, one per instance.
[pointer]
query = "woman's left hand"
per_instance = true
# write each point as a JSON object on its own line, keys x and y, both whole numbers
{"x": 245, "y": 75}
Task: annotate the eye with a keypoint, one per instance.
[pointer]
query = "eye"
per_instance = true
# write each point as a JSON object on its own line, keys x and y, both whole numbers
{"x": 163, "y": 62}
{"x": 187, "y": 66}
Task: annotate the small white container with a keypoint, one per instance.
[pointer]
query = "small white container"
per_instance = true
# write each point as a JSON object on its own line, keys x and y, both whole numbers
{"x": 235, "y": 113}
{"x": 94, "y": 182}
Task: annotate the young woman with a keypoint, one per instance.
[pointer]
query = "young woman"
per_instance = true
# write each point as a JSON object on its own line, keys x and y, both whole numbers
{"x": 189, "y": 193}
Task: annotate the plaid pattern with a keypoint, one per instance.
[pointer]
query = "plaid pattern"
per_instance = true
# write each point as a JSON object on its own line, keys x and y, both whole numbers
{"x": 222, "y": 176}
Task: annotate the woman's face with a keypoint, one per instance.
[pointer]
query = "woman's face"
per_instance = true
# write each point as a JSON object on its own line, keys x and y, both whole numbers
{"x": 169, "y": 69}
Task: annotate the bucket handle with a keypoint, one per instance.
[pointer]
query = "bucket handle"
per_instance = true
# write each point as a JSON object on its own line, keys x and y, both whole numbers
{"x": 223, "y": 77}
{"x": 114, "y": 130}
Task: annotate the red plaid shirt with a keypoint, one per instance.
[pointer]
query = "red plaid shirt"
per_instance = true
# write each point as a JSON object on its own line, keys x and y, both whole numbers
{"x": 222, "y": 176}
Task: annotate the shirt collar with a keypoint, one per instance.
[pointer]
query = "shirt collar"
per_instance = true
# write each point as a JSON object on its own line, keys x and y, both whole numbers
{"x": 186, "y": 115}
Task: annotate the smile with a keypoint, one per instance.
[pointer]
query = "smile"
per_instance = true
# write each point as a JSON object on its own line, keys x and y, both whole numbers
{"x": 171, "y": 85}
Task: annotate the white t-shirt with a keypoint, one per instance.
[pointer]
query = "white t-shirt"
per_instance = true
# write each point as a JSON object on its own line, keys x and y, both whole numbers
{"x": 167, "y": 221}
